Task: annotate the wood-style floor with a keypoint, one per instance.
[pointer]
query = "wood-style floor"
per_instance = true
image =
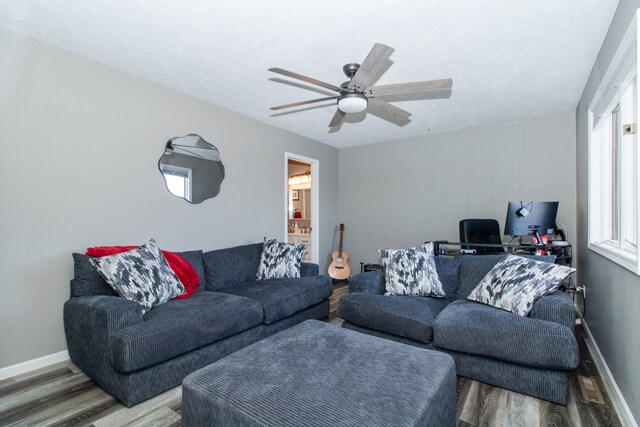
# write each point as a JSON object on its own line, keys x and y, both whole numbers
{"x": 61, "y": 395}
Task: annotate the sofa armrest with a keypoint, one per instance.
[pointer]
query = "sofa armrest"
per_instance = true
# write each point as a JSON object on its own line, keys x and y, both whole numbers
{"x": 556, "y": 307}
{"x": 89, "y": 323}
{"x": 371, "y": 282}
{"x": 309, "y": 269}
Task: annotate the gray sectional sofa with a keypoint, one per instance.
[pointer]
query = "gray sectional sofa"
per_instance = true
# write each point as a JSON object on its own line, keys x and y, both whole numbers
{"x": 135, "y": 356}
{"x": 531, "y": 355}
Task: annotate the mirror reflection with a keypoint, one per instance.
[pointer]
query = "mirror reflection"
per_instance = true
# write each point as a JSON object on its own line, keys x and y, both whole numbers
{"x": 192, "y": 168}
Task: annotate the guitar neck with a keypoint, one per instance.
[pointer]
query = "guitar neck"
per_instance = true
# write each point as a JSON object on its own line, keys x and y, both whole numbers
{"x": 340, "y": 246}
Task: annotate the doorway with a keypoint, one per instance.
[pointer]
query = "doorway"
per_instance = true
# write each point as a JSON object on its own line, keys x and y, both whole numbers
{"x": 301, "y": 200}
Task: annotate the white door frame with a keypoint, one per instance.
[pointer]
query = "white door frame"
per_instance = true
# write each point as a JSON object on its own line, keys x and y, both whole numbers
{"x": 315, "y": 201}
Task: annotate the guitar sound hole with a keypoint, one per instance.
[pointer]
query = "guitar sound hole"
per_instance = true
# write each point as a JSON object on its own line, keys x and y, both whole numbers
{"x": 339, "y": 259}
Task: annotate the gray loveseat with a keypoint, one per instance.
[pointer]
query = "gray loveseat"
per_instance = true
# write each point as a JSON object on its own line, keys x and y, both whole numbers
{"x": 531, "y": 355}
{"x": 135, "y": 356}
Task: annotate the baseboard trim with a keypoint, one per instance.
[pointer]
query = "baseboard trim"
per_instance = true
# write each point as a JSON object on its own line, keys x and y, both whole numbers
{"x": 32, "y": 365}
{"x": 609, "y": 382}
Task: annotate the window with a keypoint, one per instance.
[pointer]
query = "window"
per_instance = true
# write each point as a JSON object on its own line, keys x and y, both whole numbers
{"x": 177, "y": 184}
{"x": 178, "y": 180}
{"x": 613, "y": 160}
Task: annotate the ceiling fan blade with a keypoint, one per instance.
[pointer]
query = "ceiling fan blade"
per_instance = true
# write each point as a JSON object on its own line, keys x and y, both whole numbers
{"x": 418, "y": 96}
{"x": 297, "y": 104}
{"x": 413, "y": 87}
{"x": 381, "y": 71}
{"x": 388, "y": 112}
{"x": 299, "y": 110}
{"x": 301, "y": 86}
{"x": 305, "y": 79}
{"x": 373, "y": 64}
{"x": 338, "y": 119}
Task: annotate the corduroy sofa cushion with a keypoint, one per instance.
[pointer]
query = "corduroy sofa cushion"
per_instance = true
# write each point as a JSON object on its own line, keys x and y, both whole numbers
{"x": 195, "y": 259}
{"x": 448, "y": 271}
{"x": 281, "y": 298}
{"x": 232, "y": 266}
{"x": 180, "y": 326}
{"x": 406, "y": 316}
{"x": 556, "y": 307}
{"x": 474, "y": 328}
{"x": 87, "y": 281}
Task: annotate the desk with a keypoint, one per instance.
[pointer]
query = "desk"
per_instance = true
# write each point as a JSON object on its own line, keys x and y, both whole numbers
{"x": 563, "y": 254}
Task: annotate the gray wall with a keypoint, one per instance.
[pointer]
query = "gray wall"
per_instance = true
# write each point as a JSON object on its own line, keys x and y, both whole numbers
{"x": 80, "y": 144}
{"x": 612, "y": 291}
{"x": 403, "y": 193}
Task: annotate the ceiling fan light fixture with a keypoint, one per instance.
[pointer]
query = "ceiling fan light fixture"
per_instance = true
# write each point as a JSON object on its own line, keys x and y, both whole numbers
{"x": 352, "y": 103}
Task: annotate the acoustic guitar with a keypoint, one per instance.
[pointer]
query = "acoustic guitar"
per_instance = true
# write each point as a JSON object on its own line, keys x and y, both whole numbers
{"x": 339, "y": 268}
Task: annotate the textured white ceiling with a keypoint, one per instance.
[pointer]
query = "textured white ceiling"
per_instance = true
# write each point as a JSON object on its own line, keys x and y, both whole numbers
{"x": 509, "y": 59}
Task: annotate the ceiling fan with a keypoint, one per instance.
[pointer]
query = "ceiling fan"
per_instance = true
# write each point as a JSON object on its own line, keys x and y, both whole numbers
{"x": 358, "y": 94}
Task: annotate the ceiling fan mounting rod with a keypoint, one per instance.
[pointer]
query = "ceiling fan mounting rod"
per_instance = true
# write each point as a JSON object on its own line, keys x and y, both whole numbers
{"x": 351, "y": 69}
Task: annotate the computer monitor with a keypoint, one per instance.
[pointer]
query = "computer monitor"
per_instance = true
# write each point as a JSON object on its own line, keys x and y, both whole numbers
{"x": 531, "y": 219}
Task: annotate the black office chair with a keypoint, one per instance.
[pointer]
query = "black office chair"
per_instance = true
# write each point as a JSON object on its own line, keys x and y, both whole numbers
{"x": 481, "y": 231}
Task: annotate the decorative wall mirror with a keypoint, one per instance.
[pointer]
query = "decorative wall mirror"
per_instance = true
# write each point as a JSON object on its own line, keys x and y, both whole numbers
{"x": 192, "y": 168}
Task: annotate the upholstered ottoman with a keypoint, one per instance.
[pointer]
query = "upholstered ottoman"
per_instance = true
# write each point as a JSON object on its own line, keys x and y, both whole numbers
{"x": 316, "y": 374}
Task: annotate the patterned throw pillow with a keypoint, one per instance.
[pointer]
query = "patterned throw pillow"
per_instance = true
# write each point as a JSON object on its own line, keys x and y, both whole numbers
{"x": 515, "y": 283}
{"x": 411, "y": 272}
{"x": 280, "y": 260}
{"x": 141, "y": 275}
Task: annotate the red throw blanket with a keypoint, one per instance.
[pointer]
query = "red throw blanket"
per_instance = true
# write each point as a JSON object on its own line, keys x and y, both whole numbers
{"x": 185, "y": 272}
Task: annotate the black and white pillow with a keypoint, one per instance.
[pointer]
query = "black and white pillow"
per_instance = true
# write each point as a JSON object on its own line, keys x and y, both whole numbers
{"x": 141, "y": 275}
{"x": 515, "y": 283}
{"x": 280, "y": 260}
{"x": 411, "y": 272}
